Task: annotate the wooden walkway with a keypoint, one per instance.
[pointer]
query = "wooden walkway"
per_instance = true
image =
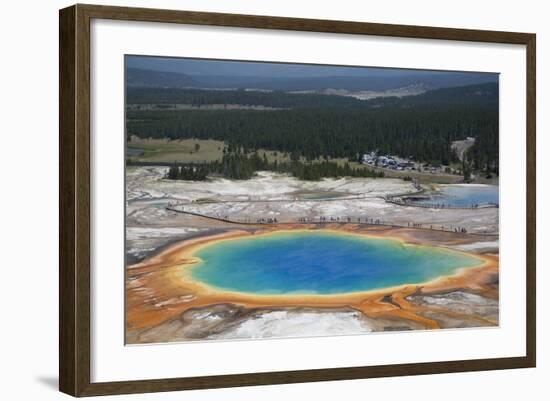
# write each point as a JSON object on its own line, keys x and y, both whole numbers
{"x": 325, "y": 221}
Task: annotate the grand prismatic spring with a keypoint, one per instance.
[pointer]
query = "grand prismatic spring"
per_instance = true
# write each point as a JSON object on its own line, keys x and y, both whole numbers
{"x": 321, "y": 263}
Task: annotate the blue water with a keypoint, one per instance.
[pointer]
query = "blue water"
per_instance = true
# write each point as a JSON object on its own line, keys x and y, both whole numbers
{"x": 464, "y": 196}
{"x": 133, "y": 151}
{"x": 320, "y": 263}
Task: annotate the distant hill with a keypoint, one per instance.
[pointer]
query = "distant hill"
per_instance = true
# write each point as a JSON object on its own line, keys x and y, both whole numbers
{"x": 149, "y": 78}
{"x": 136, "y": 77}
{"x": 486, "y": 90}
{"x": 472, "y": 95}
{"x": 374, "y": 83}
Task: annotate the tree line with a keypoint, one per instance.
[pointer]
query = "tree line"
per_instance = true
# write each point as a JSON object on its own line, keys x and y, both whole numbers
{"x": 188, "y": 172}
{"x": 239, "y": 166}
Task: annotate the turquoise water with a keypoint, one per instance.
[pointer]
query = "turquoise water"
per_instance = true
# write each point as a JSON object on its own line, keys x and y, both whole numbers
{"x": 464, "y": 196}
{"x": 133, "y": 151}
{"x": 320, "y": 263}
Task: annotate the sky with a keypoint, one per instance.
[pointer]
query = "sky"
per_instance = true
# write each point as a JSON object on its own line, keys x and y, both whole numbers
{"x": 263, "y": 69}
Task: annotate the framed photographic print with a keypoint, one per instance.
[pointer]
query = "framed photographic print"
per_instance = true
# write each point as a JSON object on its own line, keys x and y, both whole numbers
{"x": 250, "y": 200}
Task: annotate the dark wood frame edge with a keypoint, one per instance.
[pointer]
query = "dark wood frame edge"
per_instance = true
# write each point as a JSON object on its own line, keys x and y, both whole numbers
{"x": 74, "y": 199}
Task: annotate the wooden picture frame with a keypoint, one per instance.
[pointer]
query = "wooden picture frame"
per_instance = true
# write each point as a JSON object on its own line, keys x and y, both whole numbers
{"x": 74, "y": 203}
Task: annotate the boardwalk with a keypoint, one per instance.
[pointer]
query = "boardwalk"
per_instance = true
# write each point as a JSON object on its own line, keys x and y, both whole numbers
{"x": 322, "y": 220}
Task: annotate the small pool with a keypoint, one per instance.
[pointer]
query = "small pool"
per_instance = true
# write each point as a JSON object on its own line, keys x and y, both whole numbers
{"x": 467, "y": 195}
{"x": 133, "y": 151}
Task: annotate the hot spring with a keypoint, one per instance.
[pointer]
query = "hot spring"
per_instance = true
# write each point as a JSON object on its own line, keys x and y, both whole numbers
{"x": 321, "y": 262}
{"x": 463, "y": 196}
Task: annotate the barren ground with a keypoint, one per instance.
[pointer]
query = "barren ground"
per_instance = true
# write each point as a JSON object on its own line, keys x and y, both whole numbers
{"x": 151, "y": 228}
